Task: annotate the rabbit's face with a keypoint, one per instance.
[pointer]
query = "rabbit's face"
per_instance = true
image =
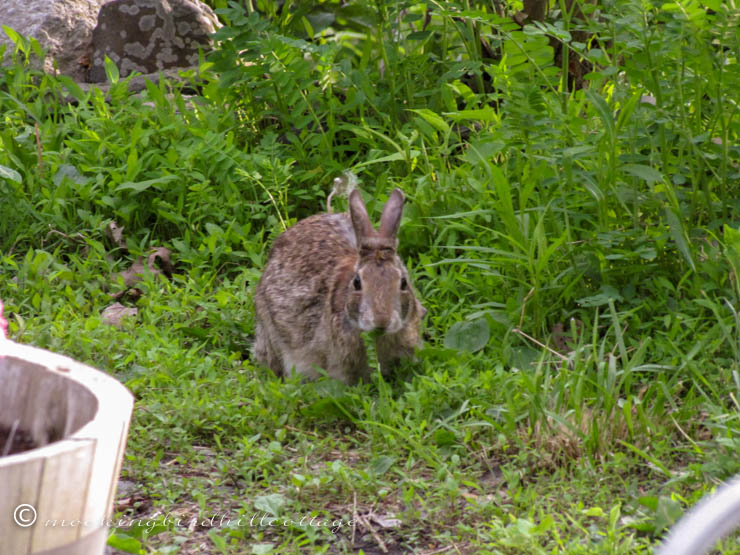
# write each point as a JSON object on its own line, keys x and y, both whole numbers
{"x": 379, "y": 293}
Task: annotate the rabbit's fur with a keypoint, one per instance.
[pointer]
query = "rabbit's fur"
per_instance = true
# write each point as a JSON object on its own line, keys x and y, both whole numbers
{"x": 329, "y": 278}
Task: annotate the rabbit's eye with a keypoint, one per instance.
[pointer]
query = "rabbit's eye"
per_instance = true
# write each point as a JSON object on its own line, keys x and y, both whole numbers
{"x": 357, "y": 283}
{"x": 404, "y": 284}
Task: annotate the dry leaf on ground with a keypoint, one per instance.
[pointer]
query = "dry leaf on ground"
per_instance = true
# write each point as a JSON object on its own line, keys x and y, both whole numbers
{"x": 114, "y": 313}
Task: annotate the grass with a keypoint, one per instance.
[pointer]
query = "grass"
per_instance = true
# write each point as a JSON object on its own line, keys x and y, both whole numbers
{"x": 576, "y": 247}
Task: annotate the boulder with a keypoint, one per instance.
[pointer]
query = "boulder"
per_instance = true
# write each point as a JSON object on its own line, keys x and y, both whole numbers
{"x": 63, "y": 27}
{"x": 150, "y": 35}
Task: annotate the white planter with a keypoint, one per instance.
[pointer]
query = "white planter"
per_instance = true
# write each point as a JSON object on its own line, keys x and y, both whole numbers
{"x": 79, "y": 418}
{"x": 710, "y": 520}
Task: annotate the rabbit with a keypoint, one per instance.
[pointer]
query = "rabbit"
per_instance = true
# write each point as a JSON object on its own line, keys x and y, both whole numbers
{"x": 328, "y": 279}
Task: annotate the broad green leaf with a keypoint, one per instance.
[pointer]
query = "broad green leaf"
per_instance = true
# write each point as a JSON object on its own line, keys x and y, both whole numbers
{"x": 575, "y": 151}
{"x": 443, "y": 436}
{"x": 8, "y": 173}
{"x": 155, "y": 94}
{"x": 395, "y": 157}
{"x": 468, "y": 336}
{"x": 138, "y": 187}
{"x": 262, "y": 548}
{"x": 13, "y": 34}
{"x": 481, "y": 151}
{"x": 36, "y": 47}
{"x": 461, "y": 89}
{"x": 646, "y": 173}
{"x": 73, "y": 88}
{"x": 625, "y": 114}
{"x": 505, "y": 203}
{"x": 593, "y": 511}
{"x": 690, "y": 10}
{"x": 606, "y": 294}
{"x": 679, "y": 236}
{"x": 111, "y": 70}
{"x": 271, "y": 503}
{"x": 217, "y": 540}
{"x": 593, "y": 188}
{"x": 604, "y": 113}
{"x": 124, "y": 542}
{"x": 319, "y": 21}
{"x": 525, "y": 527}
{"x": 486, "y": 114}
{"x": 213, "y": 229}
{"x": 435, "y": 120}
{"x": 199, "y": 333}
{"x": 419, "y": 35}
{"x": 381, "y": 464}
{"x": 67, "y": 171}
{"x": 649, "y": 501}
{"x": 667, "y": 512}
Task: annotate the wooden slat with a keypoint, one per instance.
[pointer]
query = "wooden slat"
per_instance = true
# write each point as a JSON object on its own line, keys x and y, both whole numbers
{"x": 19, "y": 485}
{"x": 104, "y": 475}
{"x": 61, "y": 505}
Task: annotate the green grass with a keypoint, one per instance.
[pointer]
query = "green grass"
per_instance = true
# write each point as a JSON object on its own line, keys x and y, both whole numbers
{"x": 576, "y": 248}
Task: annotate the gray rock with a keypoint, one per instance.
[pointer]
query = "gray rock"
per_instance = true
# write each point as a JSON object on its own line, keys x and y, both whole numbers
{"x": 63, "y": 27}
{"x": 150, "y": 35}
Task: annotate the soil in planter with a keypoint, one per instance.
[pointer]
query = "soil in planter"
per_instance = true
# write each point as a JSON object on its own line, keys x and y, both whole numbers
{"x": 22, "y": 441}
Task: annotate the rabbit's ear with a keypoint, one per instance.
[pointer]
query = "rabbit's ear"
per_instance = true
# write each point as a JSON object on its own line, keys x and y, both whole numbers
{"x": 391, "y": 218}
{"x": 360, "y": 220}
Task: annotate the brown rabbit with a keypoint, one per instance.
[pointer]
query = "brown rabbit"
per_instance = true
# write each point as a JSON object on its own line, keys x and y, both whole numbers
{"x": 329, "y": 278}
